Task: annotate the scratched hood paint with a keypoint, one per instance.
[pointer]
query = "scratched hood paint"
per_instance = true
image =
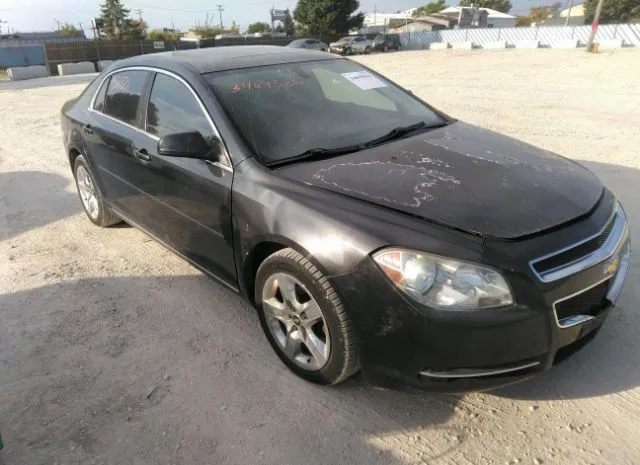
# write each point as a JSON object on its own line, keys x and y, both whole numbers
{"x": 464, "y": 177}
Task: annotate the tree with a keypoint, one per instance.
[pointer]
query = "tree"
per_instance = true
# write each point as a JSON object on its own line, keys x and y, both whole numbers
{"x": 161, "y": 34}
{"x": 289, "y": 25}
{"x": 430, "y": 8}
{"x": 115, "y": 17}
{"x": 614, "y": 11}
{"x": 280, "y": 28}
{"x": 135, "y": 30}
{"x": 540, "y": 13}
{"x": 258, "y": 28}
{"x": 499, "y": 5}
{"x": 328, "y": 17}
{"x": 206, "y": 31}
{"x": 69, "y": 30}
{"x": 234, "y": 29}
{"x": 523, "y": 21}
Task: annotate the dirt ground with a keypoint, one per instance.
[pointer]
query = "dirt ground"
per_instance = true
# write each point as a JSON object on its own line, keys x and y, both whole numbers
{"x": 114, "y": 351}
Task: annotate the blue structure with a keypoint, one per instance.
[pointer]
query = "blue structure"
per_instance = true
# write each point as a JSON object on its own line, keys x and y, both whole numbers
{"x": 21, "y": 55}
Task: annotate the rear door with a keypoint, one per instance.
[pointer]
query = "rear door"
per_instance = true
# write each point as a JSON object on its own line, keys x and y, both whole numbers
{"x": 112, "y": 135}
{"x": 190, "y": 199}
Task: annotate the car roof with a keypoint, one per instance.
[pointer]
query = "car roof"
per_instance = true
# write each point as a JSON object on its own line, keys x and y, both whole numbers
{"x": 209, "y": 60}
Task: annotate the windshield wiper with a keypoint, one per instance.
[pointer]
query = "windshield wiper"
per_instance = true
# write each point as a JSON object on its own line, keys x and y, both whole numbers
{"x": 400, "y": 132}
{"x": 317, "y": 154}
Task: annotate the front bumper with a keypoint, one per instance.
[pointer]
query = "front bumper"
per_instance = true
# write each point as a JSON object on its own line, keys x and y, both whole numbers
{"x": 402, "y": 343}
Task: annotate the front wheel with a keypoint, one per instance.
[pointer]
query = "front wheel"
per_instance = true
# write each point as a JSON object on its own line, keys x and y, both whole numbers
{"x": 304, "y": 319}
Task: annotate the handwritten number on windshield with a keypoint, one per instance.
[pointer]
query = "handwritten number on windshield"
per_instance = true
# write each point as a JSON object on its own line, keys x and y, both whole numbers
{"x": 257, "y": 85}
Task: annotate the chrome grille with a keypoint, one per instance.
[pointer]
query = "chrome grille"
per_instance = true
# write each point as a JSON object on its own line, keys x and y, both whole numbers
{"x": 576, "y": 253}
{"x": 583, "y": 254}
{"x": 590, "y": 303}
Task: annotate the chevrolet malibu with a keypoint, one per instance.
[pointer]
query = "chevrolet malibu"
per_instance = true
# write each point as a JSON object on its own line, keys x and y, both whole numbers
{"x": 371, "y": 231}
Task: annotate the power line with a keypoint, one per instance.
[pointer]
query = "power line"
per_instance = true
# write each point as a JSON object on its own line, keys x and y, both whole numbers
{"x": 179, "y": 10}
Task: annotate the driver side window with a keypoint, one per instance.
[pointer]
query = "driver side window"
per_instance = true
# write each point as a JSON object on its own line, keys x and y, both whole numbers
{"x": 173, "y": 109}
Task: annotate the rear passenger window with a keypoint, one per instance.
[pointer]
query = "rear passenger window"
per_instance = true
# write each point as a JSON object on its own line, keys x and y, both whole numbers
{"x": 123, "y": 95}
{"x": 99, "y": 102}
{"x": 173, "y": 109}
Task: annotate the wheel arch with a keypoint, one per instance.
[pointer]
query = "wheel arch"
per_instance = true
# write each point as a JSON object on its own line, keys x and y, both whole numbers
{"x": 263, "y": 249}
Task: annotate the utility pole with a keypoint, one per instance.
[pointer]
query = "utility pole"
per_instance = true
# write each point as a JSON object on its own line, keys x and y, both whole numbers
{"x": 594, "y": 26}
{"x": 139, "y": 11}
{"x": 220, "y": 10}
{"x": 81, "y": 30}
{"x": 58, "y": 23}
{"x": 566, "y": 23}
{"x": 375, "y": 16}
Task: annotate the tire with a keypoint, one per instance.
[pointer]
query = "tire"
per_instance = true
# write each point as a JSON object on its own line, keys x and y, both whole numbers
{"x": 367, "y": 50}
{"x": 340, "y": 347}
{"x": 386, "y": 48}
{"x": 346, "y": 51}
{"x": 101, "y": 215}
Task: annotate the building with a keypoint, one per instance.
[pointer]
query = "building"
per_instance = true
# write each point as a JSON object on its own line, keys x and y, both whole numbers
{"x": 494, "y": 18}
{"x": 566, "y": 17}
{"x": 433, "y": 22}
{"x": 375, "y": 23}
{"x": 576, "y": 10}
{"x": 38, "y": 38}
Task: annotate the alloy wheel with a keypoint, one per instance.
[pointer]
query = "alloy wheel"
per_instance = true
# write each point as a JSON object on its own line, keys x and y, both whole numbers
{"x": 295, "y": 321}
{"x": 87, "y": 191}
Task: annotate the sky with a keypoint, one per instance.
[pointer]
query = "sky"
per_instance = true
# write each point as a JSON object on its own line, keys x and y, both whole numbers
{"x": 41, "y": 15}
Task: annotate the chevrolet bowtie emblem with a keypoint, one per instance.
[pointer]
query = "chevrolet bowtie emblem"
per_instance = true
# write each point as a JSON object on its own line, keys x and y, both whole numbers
{"x": 612, "y": 266}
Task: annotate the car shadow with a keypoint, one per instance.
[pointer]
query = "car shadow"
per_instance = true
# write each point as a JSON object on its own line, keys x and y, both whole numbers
{"x": 31, "y": 199}
{"x": 609, "y": 363}
{"x": 175, "y": 369}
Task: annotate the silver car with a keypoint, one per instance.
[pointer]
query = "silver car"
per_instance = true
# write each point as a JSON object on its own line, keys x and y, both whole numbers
{"x": 309, "y": 44}
{"x": 351, "y": 45}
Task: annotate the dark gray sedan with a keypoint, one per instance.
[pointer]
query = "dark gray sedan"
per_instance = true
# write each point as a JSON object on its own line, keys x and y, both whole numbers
{"x": 370, "y": 231}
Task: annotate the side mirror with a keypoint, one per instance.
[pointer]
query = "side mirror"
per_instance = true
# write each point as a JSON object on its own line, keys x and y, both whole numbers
{"x": 190, "y": 145}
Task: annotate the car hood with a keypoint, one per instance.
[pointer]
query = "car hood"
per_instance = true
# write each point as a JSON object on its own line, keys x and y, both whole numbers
{"x": 464, "y": 177}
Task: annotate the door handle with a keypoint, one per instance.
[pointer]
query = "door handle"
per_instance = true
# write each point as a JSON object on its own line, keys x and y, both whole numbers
{"x": 142, "y": 155}
{"x": 87, "y": 128}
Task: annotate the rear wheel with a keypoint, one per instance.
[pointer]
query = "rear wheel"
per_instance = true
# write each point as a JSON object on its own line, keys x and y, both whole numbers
{"x": 367, "y": 50}
{"x": 91, "y": 196}
{"x": 304, "y": 320}
{"x": 386, "y": 48}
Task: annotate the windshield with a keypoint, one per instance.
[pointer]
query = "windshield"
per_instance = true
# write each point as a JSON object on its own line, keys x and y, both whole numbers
{"x": 282, "y": 111}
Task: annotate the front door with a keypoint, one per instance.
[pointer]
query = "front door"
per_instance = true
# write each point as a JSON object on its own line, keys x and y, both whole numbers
{"x": 189, "y": 200}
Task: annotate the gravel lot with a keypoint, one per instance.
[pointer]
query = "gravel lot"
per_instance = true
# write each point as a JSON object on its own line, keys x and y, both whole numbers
{"x": 114, "y": 351}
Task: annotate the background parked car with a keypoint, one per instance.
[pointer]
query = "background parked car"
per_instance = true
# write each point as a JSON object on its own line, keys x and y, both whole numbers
{"x": 350, "y": 45}
{"x": 386, "y": 42}
{"x": 309, "y": 44}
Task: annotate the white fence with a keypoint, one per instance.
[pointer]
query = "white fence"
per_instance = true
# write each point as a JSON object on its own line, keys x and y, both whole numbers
{"x": 629, "y": 33}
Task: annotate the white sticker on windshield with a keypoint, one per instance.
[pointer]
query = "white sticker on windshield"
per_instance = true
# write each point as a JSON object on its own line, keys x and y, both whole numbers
{"x": 364, "y": 79}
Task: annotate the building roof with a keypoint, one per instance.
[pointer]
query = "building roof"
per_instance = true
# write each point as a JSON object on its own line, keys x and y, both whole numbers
{"x": 208, "y": 60}
{"x": 379, "y": 19}
{"x": 576, "y": 10}
{"x": 493, "y": 14}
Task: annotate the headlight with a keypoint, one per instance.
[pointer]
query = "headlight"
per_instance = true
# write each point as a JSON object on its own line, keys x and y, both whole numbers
{"x": 444, "y": 283}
